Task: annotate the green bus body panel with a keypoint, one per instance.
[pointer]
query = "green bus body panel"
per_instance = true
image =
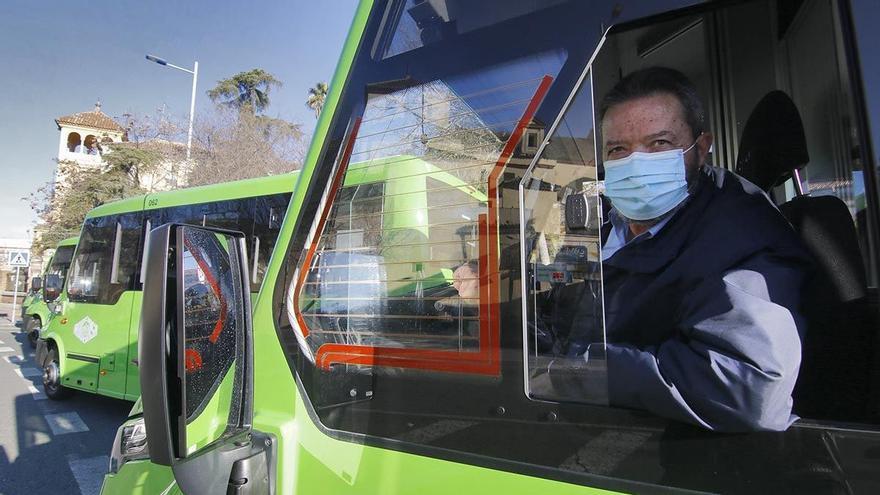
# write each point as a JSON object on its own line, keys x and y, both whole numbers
{"x": 141, "y": 478}
{"x": 309, "y": 460}
{"x": 132, "y": 376}
{"x": 110, "y": 345}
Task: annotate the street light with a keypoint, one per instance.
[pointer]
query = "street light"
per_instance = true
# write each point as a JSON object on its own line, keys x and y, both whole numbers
{"x": 192, "y": 103}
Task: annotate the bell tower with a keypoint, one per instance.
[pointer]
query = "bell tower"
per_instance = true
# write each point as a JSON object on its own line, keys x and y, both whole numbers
{"x": 84, "y": 134}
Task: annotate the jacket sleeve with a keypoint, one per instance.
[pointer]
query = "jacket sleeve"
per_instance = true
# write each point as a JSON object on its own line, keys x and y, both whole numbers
{"x": 734, "y": 360}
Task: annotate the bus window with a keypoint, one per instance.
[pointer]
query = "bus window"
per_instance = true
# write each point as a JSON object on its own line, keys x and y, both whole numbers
{"x": 268, "y": 213}
{"x": 386, "y": 273}
{"x": 61, "y": 262}
{"x": 96, "y": 259}
{"x": 791, "y": 133}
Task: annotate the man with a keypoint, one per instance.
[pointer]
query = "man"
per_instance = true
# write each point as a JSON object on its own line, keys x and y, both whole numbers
{"x": 466, "y": 281}
{"x": 702, "y": 275}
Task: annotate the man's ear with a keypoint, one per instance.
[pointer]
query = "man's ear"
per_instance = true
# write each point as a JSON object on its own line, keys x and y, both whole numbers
{"x": 704, "y": 144}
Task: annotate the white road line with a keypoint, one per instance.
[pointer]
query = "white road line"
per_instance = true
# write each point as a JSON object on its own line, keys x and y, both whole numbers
{"x": 36, "y": 393}
{"x": 28, "y": 372}
{"x": 64, "y": 423}
{"x": 14, "y": 359}
{"x": 7, "y": 349}
{"x": 88, "y": 472}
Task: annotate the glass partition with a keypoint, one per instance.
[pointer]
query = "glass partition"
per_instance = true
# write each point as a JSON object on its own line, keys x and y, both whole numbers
{"x": 564, "y": 326}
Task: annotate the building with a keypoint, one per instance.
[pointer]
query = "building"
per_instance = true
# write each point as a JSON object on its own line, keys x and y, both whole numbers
{"x": 84, "y": 136}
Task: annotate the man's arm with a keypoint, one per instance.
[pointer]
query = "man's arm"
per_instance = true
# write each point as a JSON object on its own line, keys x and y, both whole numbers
{"x": 734, "y": 361}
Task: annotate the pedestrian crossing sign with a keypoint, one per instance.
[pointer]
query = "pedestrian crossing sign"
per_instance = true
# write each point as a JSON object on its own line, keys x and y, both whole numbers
{"x": 18, "y": 258}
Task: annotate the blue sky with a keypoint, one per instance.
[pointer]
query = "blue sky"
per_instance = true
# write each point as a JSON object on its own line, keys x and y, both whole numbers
{"x": 59, "y": 57}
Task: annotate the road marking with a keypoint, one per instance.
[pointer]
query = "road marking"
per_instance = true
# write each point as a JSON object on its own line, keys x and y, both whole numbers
{"x": 63, "y": 423}
{"x": 14, "y": 359}
{"x": 89, "y": 472}
{"x": 28, "y": 372}
{"x": 7, "y": 349}
{"x": 36, "y": 393}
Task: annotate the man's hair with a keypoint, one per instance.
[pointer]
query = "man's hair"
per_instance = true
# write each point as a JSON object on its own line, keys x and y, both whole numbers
{"x": 472, "y": 264}
{"x": 654, "y": 80}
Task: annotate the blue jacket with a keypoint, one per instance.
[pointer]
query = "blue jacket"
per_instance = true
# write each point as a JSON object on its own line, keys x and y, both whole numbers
{"x": 703, "y": 320}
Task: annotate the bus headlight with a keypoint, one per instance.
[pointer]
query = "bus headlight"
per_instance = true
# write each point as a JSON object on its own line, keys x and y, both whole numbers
{"x": 130, "y": 444}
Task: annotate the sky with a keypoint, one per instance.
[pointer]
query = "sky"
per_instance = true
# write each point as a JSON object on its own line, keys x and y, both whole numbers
{"x": 60, "y": 57}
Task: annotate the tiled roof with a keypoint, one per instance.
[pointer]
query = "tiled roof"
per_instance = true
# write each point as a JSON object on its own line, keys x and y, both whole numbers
{"x": 95, "y": 119}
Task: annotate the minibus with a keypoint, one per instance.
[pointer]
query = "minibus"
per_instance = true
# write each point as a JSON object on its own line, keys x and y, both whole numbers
{"x": 91, "y": 343}
{"x": 35, "y": 311}
{"x": 348, "y": 373}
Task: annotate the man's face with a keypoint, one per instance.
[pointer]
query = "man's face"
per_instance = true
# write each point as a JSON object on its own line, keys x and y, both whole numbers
{"x": 651, "y": 124}
{"x": 465, "y": 281}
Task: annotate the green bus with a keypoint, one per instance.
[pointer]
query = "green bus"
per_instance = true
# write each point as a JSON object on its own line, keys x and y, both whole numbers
{"x": 91, "y": 343}
{"x": 351, "y": 374}
{"x": 35, "y": 309}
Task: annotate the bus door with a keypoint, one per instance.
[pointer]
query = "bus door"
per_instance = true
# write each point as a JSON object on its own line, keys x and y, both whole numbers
{"x": 98, "y": 312}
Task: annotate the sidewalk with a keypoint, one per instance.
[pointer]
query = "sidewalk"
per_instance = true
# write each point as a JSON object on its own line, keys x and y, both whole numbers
{"x": 6, "y": 316}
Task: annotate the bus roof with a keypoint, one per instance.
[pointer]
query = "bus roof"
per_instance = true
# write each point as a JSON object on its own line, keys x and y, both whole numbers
{"x": 70, "y": 241}
{"x": 134, "y": 203}
{"x": 260, "y": 186}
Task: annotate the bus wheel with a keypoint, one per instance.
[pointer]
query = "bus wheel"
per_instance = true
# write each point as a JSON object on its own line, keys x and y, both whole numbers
{"x": 52, "y": 378}
{"x": 33, "y": 331}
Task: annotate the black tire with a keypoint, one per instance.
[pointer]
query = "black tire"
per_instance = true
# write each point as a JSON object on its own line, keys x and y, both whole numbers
{"x": 33, "y": 331}
{"x": 52, "y": 378}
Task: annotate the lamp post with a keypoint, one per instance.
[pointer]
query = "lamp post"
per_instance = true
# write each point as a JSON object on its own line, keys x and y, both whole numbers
{"x": 192, "y": 103}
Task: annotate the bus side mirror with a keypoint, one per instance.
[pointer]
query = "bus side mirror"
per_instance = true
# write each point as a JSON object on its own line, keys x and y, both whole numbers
{"x": 36, "y": 283}
{"x": 52, "y": 288}
{"x": 195, "y": 358}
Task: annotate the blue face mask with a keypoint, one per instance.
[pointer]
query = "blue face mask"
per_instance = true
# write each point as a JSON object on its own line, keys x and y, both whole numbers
{"x": 644, "y": 186}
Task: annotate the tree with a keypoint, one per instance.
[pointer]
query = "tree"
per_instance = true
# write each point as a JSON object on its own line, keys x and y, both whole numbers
{"x": 131, "y": 161}
{"x": 231, "y": 146}
{"x": 247, "y": 92}
{"x": 62, "y": 205}
{"x": 317, "y": 95}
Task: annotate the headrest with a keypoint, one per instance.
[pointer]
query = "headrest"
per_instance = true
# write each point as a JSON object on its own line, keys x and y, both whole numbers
{"x": 773, "y": 143}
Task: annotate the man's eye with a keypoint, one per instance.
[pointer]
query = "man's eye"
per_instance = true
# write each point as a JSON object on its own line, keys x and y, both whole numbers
{"x": 661, "y": 143}
{"x": 615, "y": 151}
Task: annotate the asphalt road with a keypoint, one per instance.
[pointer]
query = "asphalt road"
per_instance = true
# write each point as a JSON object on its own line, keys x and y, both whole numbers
{"x": 47, "y": 446}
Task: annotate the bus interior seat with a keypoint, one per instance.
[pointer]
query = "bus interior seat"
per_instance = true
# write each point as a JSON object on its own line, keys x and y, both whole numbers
{"x": 833, "y": 381}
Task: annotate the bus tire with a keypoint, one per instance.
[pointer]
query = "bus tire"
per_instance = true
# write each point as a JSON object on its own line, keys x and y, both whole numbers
{"x": 52, "y": 377}
{"x": 33, "y": 331}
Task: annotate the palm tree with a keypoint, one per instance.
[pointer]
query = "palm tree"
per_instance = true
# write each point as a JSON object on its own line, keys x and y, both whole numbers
{"x": 317, "y": 95}
{"x": 245, "y": 91}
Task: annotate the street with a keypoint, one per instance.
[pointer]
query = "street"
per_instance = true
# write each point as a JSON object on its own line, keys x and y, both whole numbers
{"x": 47, "y": 446}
